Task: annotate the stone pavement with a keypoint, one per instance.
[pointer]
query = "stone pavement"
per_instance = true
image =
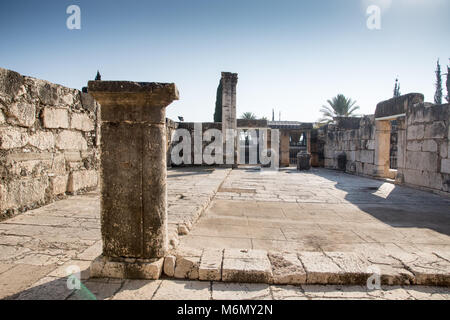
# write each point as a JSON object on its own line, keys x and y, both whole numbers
{"x": 343, "y": 213}
{"x": 321, "y": 210}
{"x": 34, "y": 244}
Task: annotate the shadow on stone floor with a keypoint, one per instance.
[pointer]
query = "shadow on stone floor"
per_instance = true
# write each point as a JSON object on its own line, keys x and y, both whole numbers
{"x": 397, "y": 206}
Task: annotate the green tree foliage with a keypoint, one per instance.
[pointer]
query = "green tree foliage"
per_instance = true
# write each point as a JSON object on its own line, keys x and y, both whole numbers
{"x": 438, "y": 94}
{"x": 339, "y": 106}
{"x": 448, "y": 84}
{"x": 397, "y": 89}
{"x": 249, "y": 116}
{"x": 98, "y": 77}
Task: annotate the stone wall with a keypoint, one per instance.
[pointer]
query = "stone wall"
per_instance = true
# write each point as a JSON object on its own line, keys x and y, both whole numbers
{"x": 427, "y": 161}
{"x": 354, "y": 137}
{"x": 423, "y": 157}
{"x": 48, "y": 142}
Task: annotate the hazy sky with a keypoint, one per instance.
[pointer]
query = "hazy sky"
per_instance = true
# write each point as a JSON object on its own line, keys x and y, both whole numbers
{"x": 291, "y": 55}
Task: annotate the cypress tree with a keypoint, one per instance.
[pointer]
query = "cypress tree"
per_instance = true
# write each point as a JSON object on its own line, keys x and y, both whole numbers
{"x": 98, "y": 77}
{"x": 448, "y": 84}
{"x": 438, "y": 94}
{"x": 397, "y": 89}
{"x": 218, "y": 112}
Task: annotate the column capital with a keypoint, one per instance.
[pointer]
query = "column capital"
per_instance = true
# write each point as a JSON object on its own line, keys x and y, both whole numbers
{"x": 133, "y": 101}
{"x": 129, "y": 93}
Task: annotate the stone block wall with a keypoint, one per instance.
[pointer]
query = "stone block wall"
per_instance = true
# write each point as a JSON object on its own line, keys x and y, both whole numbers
{"x": 427, "y": 160}
{"x": 48, "y": 142}
{"x": 356, "y": 138}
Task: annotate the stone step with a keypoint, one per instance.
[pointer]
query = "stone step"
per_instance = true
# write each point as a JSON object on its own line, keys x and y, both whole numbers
{"x": 295, "y": 268}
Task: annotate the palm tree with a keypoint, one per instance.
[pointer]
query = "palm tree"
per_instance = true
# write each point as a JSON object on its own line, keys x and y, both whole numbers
{"x": 340, "y": 106}
{"x": 249, "y": 116}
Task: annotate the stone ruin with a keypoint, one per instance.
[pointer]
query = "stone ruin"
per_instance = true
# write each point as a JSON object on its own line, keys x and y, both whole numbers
{"x": 50, "y": 141}
{"x": 54, "y": 143}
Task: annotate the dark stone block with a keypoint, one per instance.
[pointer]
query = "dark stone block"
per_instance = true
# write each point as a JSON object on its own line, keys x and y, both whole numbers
{"x": 398, "y": 105}
{"x": 10, "y": 82}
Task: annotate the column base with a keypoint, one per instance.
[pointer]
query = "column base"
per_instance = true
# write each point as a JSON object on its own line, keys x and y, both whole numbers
{"x": 121, "y": 268}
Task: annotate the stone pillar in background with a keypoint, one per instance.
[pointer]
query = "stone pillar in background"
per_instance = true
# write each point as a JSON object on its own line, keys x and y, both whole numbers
{"x": 229, "y": 119}
{"x": 401, "y": 149}
{"x": 382, "y": 147}
{"x": 133, "y": 163}
{"x": 284, "y": 148}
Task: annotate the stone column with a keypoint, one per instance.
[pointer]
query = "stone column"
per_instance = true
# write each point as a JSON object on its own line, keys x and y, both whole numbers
{"x": 284, "y": 148}
{"x": 401, "y": 149}
{"x": 382, "y": 147}
{"x": 133, "y": 162}
{"x": 229, "y": 119}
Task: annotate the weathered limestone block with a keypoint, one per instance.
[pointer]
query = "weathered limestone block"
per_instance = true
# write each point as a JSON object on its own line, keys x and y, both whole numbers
{"x": 319, "y": 268}
{"x": 55, "y": 118}
{"x": 10, "y": 82}
{"x": 22, "y": 114}
{"x": 252, "y": 266}
{"x": 445, "y": 166}
{"x": 169, "y": 265}
{"x": 366, "y": 156}
{"x": 82, "y": 122}
{"x": 58, "y": 184}
{"x": 423, "y": 178}
{"x": 134, "y": 194}
{"x": 428, "y": 269}
{"x": 187, "y": 268}
{"x": 126, "y": 269}
{"x": 414, "y": 146}
{"x": 70, "y": 140}
{"x": 429, "y": 146}
{"x": 435, "y": 130}
{"x": 398, "y": 105}
{"x": 2, "y": 117}
{"x": 287, "y": 268}
{"x": 80, "y": 180}
{"x": 416, "y": 132}
{"x": 20, "y": 193}
{"x": 42, "y": 140}
{"x": 354, "y": 267}
{"x": 422, "y": 161}
{"x": 12, "y": 137}
{"x": 211, "y": 265}
{"x": 58, "y": 164}
{"x": 391, "y": 271}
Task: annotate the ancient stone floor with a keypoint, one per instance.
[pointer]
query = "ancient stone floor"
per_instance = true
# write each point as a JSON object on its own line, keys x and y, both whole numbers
{"x": 322, "y": 210}
{"x": 317, "y": 211}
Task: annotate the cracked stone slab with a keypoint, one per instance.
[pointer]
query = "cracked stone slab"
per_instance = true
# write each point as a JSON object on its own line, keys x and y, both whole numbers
{"x": 187, "y": 267}
{"x": 320, "y": 269}
{"x": 252, "y": 266}
{"x": 428, "y": 269}
{"x": 211, "y": 265}
{"x": 392, "y": 271}
{"x": 354, "y": 268}
{"x": 104, "y": 267}
{"x": 287, "y": 268}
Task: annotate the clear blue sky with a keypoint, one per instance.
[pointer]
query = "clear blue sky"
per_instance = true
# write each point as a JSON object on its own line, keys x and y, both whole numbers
{"x": 291, "y": 55}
